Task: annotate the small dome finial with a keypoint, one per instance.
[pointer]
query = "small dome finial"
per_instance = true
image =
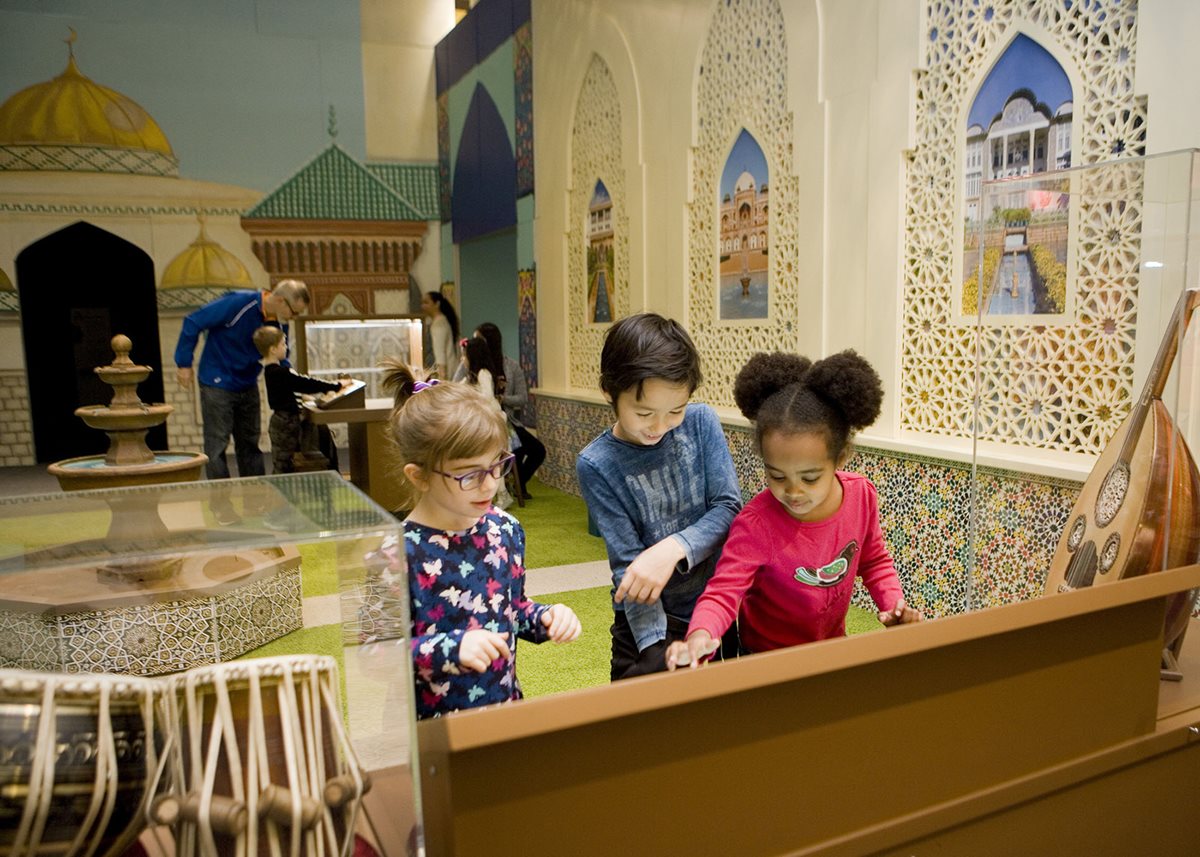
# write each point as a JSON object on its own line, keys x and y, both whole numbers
{"x": 332, "y": 127}
{"x": 70, "y": 40}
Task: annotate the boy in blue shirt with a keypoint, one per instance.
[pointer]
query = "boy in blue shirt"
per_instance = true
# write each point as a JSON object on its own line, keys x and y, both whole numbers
{"x": 660, "y": 485}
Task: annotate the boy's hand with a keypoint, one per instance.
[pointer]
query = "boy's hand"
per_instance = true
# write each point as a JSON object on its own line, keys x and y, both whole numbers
{"x": 183, "y": 375}
{"x": 649, "y": 572}
{"x": 692, "y": 651}
{"x": 480, "y": 647}
{"x": 901, "y": 614}
{"x": 562, "y": 623}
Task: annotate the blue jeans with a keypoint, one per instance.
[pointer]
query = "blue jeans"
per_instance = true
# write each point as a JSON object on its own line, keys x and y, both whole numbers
{"x": 229, "y": 414}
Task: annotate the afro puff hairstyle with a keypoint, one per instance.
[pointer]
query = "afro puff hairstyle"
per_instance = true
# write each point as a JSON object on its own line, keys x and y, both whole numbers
{"x": 789, "y": 394}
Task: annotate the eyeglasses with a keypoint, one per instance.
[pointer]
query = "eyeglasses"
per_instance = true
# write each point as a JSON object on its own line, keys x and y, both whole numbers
{"x": 290, "y": 307}
{"x": 471, "y": 481}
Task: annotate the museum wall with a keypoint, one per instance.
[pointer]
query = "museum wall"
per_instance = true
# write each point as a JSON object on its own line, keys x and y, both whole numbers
{"x": 859, "y": 110}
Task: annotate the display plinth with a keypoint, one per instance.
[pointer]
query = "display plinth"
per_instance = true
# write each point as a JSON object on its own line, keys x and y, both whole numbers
{"x": 374, "y": 465}
{"x": 144, "y": 580}
{"x": 808, "y": 750}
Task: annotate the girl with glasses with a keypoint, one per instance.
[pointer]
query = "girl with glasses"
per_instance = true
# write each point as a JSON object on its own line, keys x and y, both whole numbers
{"x": 465, "y": 557}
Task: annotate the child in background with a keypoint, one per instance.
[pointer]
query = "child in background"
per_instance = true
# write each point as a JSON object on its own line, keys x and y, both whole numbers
{"x": 660, "y": 485}
{"x": 466, "y": 572}
{"x": 787, "y": 571}
{"x": 290, "y": 433}
{"x": 480, "y": 373}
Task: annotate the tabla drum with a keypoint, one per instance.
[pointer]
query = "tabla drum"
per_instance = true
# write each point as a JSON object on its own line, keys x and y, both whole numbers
{"x": 262, "y": 763}
{"x": 78, "y": 754}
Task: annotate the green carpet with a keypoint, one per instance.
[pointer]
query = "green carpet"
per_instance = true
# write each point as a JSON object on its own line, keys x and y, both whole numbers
{"x": 555, "y": 667}
{"x": 556, "y": 528}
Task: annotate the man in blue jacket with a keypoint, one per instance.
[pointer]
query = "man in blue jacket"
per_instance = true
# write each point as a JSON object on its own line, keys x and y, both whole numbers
{"x": 229, "y": 368}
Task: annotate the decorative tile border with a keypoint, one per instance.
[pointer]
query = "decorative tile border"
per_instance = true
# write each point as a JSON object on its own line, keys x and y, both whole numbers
{"x": 157, "y": 637}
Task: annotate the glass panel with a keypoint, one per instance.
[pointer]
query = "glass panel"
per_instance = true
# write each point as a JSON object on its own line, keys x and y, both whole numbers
{"x": 356, "y": 347}
{"x": 1086, "y": 378}
{"x": 240, "y": 586}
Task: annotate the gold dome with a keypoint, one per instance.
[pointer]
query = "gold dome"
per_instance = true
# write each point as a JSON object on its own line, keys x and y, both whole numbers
{"x": 6, "y": 285}
{"x": 205, "y": 264}
{"x": 73, "y": 110}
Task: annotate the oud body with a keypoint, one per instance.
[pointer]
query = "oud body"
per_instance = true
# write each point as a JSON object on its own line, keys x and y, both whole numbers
{"x": 1139, "y": 510}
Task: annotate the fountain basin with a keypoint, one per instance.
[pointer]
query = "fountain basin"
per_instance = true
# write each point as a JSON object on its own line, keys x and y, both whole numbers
{"x": 93, "y": 471}
{"x": 124, "y": 419}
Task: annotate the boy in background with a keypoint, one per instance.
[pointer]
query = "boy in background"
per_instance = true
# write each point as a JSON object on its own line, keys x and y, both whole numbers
{"x": 660, "y": 485}
{"x": 289, "y": 431}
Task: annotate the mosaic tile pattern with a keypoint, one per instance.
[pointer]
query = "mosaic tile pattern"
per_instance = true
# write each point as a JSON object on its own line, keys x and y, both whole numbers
{"x": 527, "y": 333}
{"x": 925, "y": 509}
{"x": 523, "y": 109}
{"x": 158, "y": 637}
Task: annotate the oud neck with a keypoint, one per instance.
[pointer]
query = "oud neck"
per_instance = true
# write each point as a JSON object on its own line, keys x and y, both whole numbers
{"x": 1156, "y": 382}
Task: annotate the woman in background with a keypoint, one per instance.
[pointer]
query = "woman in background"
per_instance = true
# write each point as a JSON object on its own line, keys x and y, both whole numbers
{"x": 443, "y": 332}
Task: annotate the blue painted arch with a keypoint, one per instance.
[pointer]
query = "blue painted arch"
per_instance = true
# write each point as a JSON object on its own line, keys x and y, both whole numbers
{"x": 484, "y": 195}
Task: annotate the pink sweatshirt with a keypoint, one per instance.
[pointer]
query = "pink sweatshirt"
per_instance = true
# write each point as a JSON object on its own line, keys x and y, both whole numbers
{"x": 789, "y": 581}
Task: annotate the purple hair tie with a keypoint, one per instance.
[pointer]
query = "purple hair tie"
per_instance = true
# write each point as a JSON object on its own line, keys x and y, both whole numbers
{"x": 418, "y": 386}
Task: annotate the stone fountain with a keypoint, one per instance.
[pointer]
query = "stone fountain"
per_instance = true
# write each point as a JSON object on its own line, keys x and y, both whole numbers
{"x": 138, "y": 578}
{"x": 126, "y": 419}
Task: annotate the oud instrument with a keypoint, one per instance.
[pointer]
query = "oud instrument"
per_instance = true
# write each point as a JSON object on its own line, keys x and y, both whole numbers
{"x": 1138, "y": 510}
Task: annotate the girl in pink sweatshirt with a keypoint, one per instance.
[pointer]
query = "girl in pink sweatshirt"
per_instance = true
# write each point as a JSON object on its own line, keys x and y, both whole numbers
{"x": 787, "y": 570}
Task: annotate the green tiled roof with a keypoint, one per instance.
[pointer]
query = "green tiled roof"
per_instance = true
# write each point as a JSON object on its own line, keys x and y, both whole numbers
{"x": 334, "y": 186}
{"x": 417, "y": 184}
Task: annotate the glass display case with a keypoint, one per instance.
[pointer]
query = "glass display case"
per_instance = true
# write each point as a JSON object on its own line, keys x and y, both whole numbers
{"x": 1078, "y": 287}
{"x": 329, "y": 346}
{"x": 106, "y": 591}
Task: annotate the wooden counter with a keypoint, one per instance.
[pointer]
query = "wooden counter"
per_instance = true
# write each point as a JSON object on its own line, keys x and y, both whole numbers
{"x": 1039, "y": 727}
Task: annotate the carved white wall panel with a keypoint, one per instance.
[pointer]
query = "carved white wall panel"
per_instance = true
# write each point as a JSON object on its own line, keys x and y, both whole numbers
{"x": 741, "y": 83}
{"x": 595, "y": 155}
{"x": 1064, "y": 384}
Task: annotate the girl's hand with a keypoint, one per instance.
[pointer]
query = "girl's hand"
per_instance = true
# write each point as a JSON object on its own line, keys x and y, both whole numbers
{"x": 649, "y": 572}
{"x": 480, "y": 647}
{"x": 691, "y": 652}
{"x": 562, "y": 623}
{"x": 901, "y": 614}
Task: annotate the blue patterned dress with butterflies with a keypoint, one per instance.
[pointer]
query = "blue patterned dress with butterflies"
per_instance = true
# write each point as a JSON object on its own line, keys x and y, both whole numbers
{"x": 457, "y": 582}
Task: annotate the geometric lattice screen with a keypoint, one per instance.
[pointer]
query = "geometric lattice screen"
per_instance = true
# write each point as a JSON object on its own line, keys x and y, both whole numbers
{"x": 595, "y": 155}
{"x": 741, "y": 83}
{"x": 1065, "y": 384}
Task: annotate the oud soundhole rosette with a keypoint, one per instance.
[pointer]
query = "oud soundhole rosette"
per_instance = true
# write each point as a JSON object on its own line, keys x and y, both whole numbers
{"x": 1108, "y": 554}
{"x": 1112, "y": 494}
{"x": 1077, "y": 530}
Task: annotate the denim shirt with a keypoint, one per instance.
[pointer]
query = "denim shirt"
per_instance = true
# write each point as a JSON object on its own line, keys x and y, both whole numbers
{"x": 684, "y": 486}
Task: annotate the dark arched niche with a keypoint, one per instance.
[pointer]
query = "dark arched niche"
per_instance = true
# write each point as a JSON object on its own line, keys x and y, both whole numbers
{"x": 79, "y": 287}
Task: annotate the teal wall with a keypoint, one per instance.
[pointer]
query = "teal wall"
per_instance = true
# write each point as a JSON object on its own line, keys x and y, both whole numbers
{"x": 487, "y": 266}
{"x": 488, "y": 285}
{"x": 496, "y": 75}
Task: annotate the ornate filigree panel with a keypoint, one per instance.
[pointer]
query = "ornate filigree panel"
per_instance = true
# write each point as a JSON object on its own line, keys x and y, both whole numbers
{"x": 1065, "y": 384}
{"x": 595, "y": 154}
{"x": 741, "y": 83}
